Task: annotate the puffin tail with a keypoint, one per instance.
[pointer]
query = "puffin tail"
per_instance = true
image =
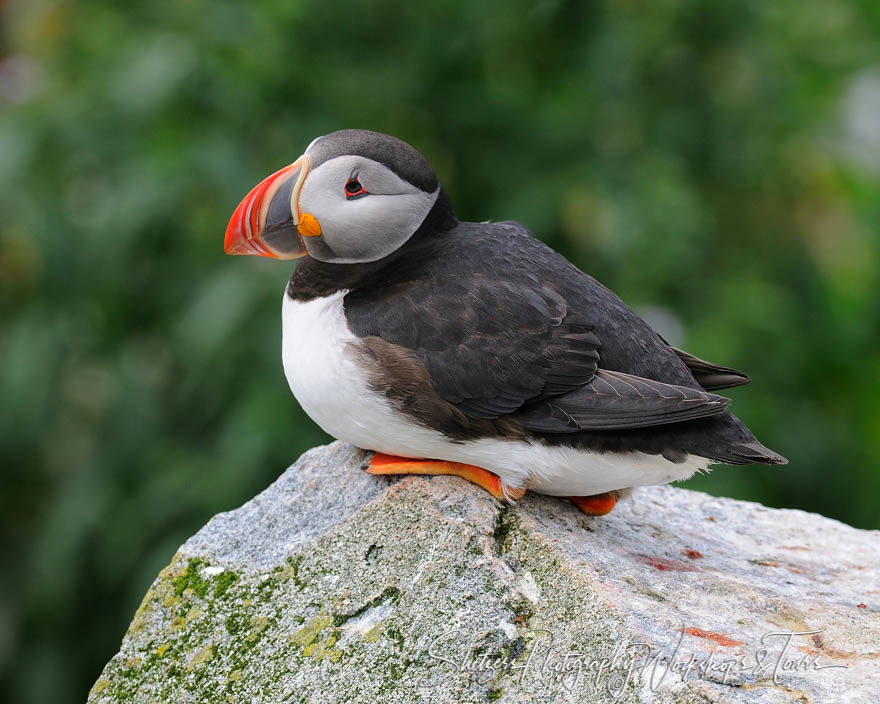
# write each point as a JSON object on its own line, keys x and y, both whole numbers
{"x": 752, "y": 453}
{"x": 741, "y": 446}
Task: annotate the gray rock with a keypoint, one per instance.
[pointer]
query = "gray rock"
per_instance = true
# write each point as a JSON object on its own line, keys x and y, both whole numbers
{"x": 336, "y": 586}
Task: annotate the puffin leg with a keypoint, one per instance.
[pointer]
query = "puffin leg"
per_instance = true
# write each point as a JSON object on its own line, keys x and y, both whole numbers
{"x": 391, "y": 464}
{"x": 596, "y": 505}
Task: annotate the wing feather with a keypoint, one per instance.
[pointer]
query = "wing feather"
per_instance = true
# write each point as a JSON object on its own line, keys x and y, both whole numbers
{"x": 711, "y": 377}
{"x": 615, "y": 401}
{"x": 502, "y": 350}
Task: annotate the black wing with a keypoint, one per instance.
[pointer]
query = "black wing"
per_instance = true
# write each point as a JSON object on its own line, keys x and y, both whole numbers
{"x": 711, "y": 376}
{"x": 494, "y": 348}
{"x": 614, "y": 401}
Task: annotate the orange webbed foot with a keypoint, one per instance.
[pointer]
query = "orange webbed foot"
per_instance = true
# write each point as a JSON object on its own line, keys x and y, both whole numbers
{"x": 596, "y": 505}
{"x": 391, "y": 464}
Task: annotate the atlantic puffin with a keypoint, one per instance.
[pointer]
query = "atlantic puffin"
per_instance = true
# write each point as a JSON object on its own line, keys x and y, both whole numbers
{"x": 472, "y": 349}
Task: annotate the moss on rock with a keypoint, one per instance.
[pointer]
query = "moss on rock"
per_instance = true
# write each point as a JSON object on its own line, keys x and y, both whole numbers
{"x": 433, "y": 590}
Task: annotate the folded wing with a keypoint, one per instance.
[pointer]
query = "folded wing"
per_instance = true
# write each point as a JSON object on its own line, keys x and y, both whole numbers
{"x": 711, "y": 376}
{"x": 615, "y": 401}
{"x": 494, "y": 349}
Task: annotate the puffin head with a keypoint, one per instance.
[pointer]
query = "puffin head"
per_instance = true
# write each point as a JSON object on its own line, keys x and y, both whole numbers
{"x": 354, "y": 196}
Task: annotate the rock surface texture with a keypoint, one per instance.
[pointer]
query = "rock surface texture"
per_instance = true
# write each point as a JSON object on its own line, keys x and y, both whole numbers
{"x": 337, "y": 586}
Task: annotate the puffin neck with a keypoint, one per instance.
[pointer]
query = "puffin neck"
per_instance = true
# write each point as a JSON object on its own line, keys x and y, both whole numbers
{"x": 313, "y": 278}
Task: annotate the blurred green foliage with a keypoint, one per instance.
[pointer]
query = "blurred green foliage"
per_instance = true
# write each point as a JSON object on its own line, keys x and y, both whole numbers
{"x": 715, "y": 163}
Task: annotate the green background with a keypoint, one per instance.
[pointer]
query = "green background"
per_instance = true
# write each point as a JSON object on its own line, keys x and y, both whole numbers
{"x": 716, "y": 163}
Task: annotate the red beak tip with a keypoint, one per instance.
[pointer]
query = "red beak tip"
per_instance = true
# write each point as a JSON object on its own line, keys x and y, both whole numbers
{"x": 232, "y": 242}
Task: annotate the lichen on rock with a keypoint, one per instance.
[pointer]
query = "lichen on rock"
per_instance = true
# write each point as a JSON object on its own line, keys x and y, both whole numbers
{"x": 334, "y": 585}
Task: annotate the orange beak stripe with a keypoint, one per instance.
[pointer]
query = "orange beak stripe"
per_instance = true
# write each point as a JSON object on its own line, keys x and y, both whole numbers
{"x": 247, "y": 226}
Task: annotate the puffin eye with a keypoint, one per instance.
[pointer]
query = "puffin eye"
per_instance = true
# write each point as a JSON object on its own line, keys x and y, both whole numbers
{"x": 354, "y": 189}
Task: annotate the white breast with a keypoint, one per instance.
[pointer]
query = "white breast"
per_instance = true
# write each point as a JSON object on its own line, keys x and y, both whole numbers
{"x": 322, "y": 372}
{"x": 321, "y": 368}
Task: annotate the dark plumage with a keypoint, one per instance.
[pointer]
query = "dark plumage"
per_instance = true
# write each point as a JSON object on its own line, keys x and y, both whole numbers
{"x": 396, "y": 154}
{"x": 503, "y": 328}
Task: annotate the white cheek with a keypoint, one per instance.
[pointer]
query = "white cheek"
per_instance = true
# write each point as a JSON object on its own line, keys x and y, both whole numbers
{"x": 375, "y": 216}
{"x": 323, "y": 201}
{"x": 366, "y": 228}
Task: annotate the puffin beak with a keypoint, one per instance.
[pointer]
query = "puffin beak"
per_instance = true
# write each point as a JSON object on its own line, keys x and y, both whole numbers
{"x": 265, "y": 222}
